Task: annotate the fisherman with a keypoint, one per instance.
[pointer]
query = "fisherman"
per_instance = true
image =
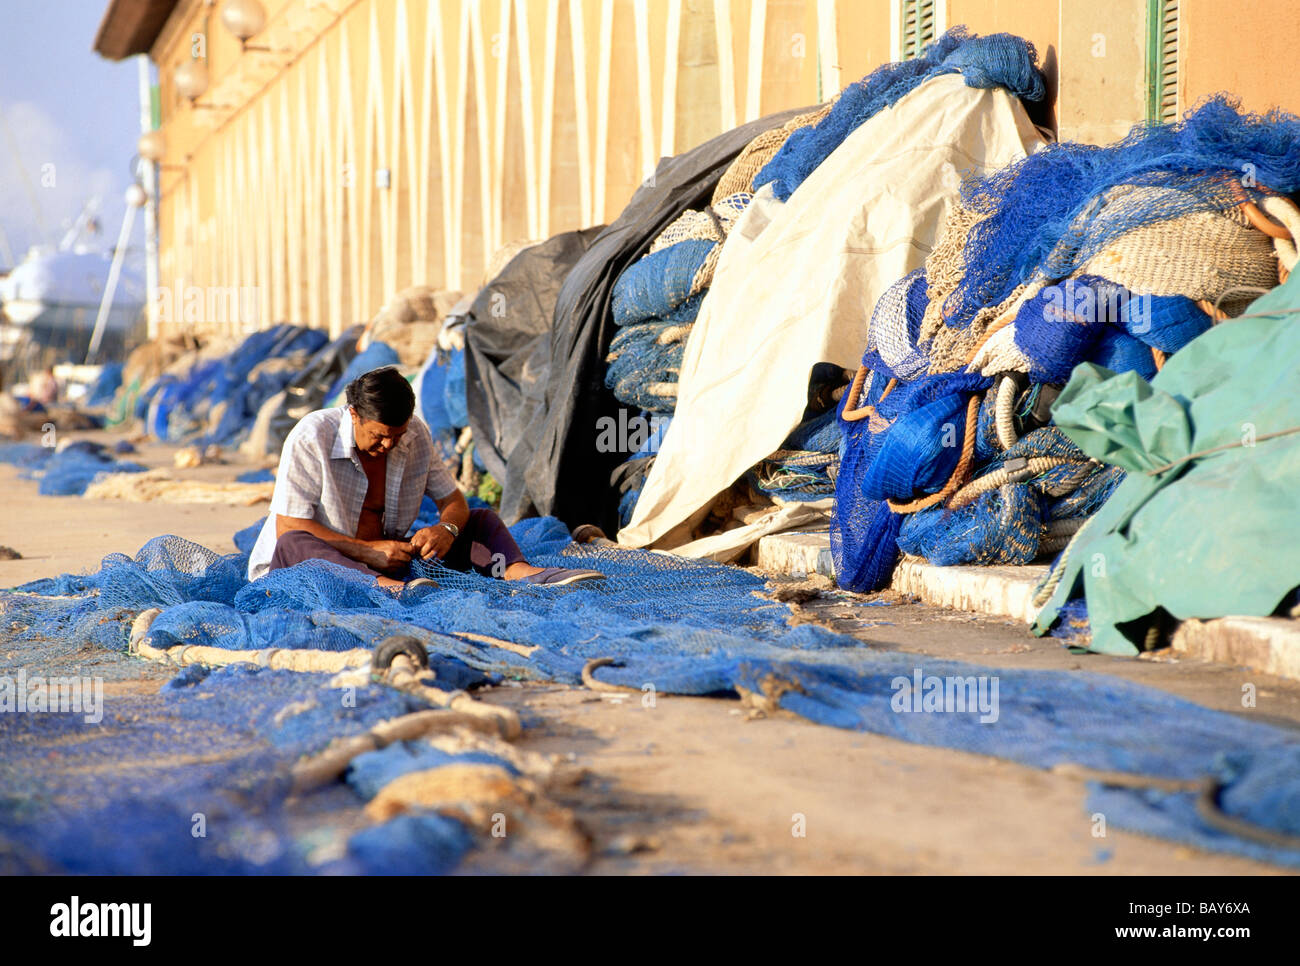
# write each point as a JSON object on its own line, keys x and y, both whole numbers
{"x": 349, "y": 488}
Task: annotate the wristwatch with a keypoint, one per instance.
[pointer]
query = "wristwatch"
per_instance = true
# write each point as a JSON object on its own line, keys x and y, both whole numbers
{"x": 451, "y": 528}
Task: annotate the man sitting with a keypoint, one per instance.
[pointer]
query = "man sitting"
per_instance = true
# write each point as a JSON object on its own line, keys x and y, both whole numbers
{"x": 350, "y": 485}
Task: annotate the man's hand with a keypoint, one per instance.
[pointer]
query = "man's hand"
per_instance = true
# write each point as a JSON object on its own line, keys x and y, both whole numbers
{"x": 432, "y": 542}
{"x": 388, "y": 555}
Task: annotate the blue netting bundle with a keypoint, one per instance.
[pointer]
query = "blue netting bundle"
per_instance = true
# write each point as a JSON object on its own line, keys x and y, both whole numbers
{"x": 376, "y": 356}
{"x": 454, "y": 401}
{"x": 998, "y": 60}
{"x": 105, "y": 386}
{"x": 431, "y": 387}
{"x": 919, "y": 449}
{"x": 642, "y": 366}
{"x": 25, "y": 455}
{"x": 70, "y": 470}
{"x": 1049, "y": 213}
{"x": 255, "y": 476}
{"x": 1088, "y": 498}
{"x": 864, "y": 530}
{"x": 1090, "y": 319}
{"x": 805, "y": 466}
{"x": 229, "y": 390}
{"x": 653, "y": 286}
{"x": 1002, "y": 527}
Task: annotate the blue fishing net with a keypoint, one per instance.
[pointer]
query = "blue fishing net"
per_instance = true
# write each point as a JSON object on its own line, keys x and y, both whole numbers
{"x": 653, "y": 286}
{"x": 376, "y": 356}
{"x": 680, "y": 626}
{"x": 805, "y": 466}
{"x": 643, "y": 370}
{"x": 218, "y": 399}
{"x": 66, "y": 472}
{"x": 1049, "y": 213}
{"x": 105, "y": 386}
{"x": 1041, "y": 218}
{"x": 998, "y": 60}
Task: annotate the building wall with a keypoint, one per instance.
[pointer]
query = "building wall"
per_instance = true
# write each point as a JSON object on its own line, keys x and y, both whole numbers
{"x": 503, "y": 120}
{"x": 496, "y": 121}
{"x": 1248, "y": 49}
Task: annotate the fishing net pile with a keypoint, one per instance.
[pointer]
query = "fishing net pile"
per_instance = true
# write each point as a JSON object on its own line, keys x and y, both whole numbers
{"x": 656, "y": 299}
{"x": 217, "y": 399}
{"x": 662, "y": 624}
{"x": 1117, "y": 255}
{"x": 106, "y": 385}
{"x": 440, "y": 399}
{"x": 69, "y": 470}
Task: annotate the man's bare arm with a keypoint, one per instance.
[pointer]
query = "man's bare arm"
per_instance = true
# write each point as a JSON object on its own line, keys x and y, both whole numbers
{"x": 376, "y": 554}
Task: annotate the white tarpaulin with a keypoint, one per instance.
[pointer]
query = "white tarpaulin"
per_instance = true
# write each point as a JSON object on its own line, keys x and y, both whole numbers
{"x": 796, "y": 283}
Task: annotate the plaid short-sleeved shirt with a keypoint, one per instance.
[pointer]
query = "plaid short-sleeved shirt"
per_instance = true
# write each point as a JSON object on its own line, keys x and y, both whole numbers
{"x": 320, "y": 478}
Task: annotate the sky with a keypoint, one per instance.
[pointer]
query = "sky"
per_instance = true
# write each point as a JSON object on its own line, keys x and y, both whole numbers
{"x": 69, "y": 120}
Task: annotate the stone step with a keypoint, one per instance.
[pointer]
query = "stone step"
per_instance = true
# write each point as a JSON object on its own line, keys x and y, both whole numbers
{"x": 1268, "y": 644}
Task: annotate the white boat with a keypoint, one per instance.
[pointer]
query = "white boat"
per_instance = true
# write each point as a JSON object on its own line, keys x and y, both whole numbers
{"x": 51, "y": 299}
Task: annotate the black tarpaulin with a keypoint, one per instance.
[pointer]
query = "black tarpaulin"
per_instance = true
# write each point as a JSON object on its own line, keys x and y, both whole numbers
{"x": 567, "y": 475}
{"x": 508, "y": 358}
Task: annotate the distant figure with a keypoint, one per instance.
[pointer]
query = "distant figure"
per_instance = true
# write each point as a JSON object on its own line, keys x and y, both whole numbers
{"x": 43, "y": 391}
{"x": 349, "y": 488}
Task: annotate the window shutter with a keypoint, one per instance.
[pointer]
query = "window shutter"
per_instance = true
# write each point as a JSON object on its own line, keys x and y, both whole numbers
{"x": 918, "y": 23}
{"x": 1162, "y": 61}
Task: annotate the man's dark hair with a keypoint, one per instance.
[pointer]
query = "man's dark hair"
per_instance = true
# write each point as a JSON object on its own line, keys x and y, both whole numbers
{"x": 382, "y": 396}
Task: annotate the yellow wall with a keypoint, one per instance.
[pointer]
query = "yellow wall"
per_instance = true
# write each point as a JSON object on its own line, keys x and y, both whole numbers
{"x": 1248, "y": 49}
{"x": 500, "y": 120}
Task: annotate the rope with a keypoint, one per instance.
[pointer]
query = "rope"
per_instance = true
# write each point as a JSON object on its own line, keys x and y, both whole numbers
{"x": 593, "y": 684}
{"x": 855, "y": 392}
{"x": 1072, "y": 482}
{"x": 1034, "y": 466}
{"x": 1048, "y": 587}
{"x": 958, "y": 474}
{"x": 1215, "y": 449}
{"x": 1219, "y": 315}
{"x": 1207, "y": 801}
{"x": 1004, "y": 412}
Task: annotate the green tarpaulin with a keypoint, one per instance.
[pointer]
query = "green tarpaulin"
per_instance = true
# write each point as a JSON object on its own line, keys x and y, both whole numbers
{"x": 1210, "y": 536}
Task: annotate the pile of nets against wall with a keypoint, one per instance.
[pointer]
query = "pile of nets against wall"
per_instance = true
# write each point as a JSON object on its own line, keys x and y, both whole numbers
{"x": 998, "y": 60}
{"x": 1119, "y": 256}
{"x": 105, "y": 386}
{"x": 657, "y": 298}
{"x": 680, "y": 626}
{"x": 67, "y": 471}
{"x": 217, "y": 401}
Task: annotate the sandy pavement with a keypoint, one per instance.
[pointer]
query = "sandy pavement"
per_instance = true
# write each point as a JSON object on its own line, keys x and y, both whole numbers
{"x": 700, "y": 785}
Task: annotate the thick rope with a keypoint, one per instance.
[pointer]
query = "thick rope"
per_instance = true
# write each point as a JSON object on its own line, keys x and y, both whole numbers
{"x": 855, "y": 393}
{"x": 958, "y": 474}
{"x": 1207, "y": 792}
{"x": 1034, "y": 466}
{"x": 1004, "y": 412}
